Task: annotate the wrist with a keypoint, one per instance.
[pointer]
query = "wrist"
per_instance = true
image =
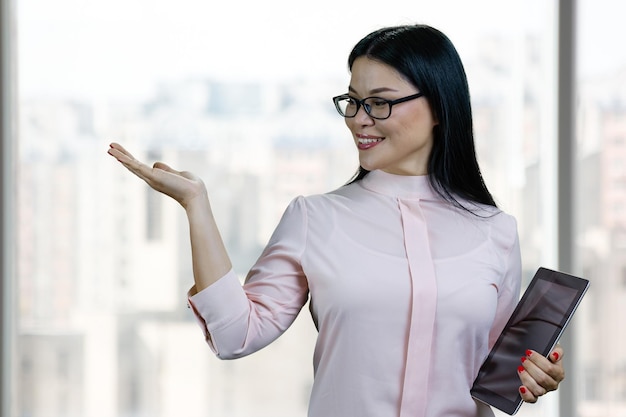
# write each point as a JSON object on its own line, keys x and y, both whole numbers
{"x": 197, "y": 204}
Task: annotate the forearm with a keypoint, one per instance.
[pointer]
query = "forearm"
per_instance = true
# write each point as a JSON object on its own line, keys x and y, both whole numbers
{"x": 210, "y": 260}
{"x": 209, "y": 257}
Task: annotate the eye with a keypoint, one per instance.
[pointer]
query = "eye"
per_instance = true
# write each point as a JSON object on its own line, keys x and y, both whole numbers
{"x": 377, "y": 102}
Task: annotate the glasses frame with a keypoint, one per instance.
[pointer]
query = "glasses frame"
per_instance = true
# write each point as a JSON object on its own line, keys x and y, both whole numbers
{"x": 368, "y": 108}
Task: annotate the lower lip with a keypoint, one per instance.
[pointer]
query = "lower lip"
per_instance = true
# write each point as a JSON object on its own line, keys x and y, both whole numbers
{"x": 366, "y": 146}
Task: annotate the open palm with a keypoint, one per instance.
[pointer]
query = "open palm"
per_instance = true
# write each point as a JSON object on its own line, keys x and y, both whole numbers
{"x": 182, "y": 186}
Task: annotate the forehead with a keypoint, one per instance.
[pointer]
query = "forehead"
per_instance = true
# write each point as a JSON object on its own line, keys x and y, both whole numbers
{"x": 369, "y": 75}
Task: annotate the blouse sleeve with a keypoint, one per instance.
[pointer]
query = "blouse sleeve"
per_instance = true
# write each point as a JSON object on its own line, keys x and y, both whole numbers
{"x": 239, "y": 320}
{"x": 509, "y": 290}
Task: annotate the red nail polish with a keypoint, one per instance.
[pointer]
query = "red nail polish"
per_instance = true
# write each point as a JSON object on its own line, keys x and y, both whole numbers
{"x": 528, "y": 352}
{"x": 524, "y": 359}
{"x": 522, "y": 390}
{"x": 555, "y": 355}
{"x": 520, "y": 368}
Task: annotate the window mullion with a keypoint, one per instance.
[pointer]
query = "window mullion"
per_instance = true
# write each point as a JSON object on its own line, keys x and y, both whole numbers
{"x": 566, "y": 180}
{"x": 7, "y": 204}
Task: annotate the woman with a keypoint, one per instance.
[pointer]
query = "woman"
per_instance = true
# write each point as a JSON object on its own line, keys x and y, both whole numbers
{"x": 411, "y": 269}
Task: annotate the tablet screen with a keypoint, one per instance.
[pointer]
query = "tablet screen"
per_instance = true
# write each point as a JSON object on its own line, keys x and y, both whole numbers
{"x": 537, "y": 323}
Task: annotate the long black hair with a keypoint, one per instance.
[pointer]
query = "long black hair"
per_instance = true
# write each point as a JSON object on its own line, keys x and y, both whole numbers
{"x": 429, "y": 60}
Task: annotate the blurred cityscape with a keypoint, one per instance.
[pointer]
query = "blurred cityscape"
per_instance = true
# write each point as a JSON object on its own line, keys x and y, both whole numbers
{"x": 104, "y": 262}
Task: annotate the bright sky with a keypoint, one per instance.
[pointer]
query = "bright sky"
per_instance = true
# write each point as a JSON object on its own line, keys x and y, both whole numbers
{"x": 121, "y": 48}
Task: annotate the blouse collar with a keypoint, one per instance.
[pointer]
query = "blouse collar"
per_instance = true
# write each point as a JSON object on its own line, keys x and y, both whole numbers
{"x": 402, "y": 186}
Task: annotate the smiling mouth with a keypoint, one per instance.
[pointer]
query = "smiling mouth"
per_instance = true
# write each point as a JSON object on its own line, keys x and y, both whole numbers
{"x": 367, "y": 143}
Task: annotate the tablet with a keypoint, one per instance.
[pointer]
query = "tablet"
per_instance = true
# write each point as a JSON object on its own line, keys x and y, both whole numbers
{"x": 536, "y": 323}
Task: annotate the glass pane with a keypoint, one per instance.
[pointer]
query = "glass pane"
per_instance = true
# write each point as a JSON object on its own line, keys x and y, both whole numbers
{"x": 240, "y": 95}
{"x": 601, "y": 207}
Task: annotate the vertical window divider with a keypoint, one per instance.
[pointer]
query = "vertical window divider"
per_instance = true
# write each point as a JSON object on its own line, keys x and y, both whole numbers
{"x": 566, "y": 151}
{"x": 7, "y": 204}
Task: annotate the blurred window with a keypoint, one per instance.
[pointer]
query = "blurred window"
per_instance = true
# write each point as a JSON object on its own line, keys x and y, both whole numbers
{"x": 241, "y": 96}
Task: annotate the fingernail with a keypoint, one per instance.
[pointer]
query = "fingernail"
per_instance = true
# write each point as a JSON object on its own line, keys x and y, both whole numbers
{"x": 522, "y": 390}
{"x": 555, "y": 355}
{"x": 524, "y": 359}
{"x": 520, "y": 368}
{"x": 528, "y": 352}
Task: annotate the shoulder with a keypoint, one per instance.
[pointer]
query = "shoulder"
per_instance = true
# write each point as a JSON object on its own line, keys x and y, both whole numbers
{"x": 329, "y": 208}
{"x": 501, "y": 225}
{"x": 504, "y": 230}
{"x": 494, "y": 215}
{"x": 331, "y": 200}
{"x": 501, "y": 228}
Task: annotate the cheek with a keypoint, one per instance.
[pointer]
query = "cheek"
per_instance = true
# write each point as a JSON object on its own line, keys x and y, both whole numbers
{"x": 423, "y": 127}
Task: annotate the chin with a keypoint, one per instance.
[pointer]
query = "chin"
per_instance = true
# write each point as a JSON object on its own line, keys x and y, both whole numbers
{"x": 368, "y": 165}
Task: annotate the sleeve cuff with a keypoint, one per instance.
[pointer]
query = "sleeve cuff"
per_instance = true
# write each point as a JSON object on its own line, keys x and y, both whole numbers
{"x": 218, "y": 305}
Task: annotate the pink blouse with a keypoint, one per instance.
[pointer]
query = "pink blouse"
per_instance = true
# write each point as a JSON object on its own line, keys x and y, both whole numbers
{"x": 408, "y": 294}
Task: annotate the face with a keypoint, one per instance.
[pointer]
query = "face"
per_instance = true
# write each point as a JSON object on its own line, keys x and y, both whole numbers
{"x": 402, "y": 143}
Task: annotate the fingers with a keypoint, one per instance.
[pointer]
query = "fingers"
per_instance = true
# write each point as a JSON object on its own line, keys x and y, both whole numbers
{"x": 557, "y": 354}
{"x": 539, "y": 374}
{"x": 527, "y": 395}
{"x": 122, "y": 155}
{"x": 116, "y": 150}
{"x": 164, "y": 167}
{"x": 167, "y": 168}
{"x": 135, "y": 166}
{"x": 181, "y": 186}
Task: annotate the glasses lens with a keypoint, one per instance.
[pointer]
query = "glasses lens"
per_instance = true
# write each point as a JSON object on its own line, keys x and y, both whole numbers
{"x": 346, "y": 106}
{"x": 378, "y": 108}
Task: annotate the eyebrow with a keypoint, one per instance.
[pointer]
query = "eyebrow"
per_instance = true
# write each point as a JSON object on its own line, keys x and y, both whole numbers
{"x": 375, "y": 90}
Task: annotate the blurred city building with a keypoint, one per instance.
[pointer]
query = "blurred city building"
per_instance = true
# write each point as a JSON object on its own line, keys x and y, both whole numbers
{"x": 104, "y": 262}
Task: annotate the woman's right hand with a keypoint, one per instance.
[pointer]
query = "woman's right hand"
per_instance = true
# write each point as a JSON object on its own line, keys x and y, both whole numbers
{"x": 182, "y": 186}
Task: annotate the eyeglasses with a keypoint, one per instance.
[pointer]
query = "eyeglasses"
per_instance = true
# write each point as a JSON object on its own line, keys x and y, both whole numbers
{"x": 375, "y": 107}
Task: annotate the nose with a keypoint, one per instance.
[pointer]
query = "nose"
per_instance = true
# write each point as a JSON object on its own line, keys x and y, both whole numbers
{"x": 361, "y": 117}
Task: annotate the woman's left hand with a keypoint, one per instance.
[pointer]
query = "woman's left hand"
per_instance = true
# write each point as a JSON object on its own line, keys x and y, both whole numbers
{"x": 539, "y": 374}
